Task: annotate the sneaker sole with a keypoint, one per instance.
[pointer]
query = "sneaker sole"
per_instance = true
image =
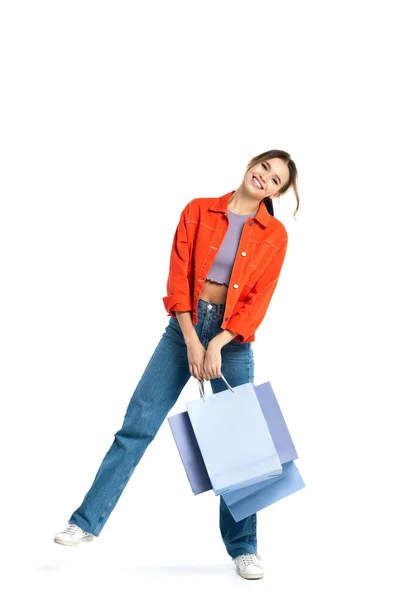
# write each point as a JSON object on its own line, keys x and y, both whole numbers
{"x": 250, "y": 576}
{"x": 67, "y": 543}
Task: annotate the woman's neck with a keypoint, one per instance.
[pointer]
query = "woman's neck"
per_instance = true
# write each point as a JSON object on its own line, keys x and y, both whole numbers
{"x": 242, "y": 204}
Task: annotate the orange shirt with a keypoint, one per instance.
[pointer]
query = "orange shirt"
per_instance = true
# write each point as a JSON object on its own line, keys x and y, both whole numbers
{"x": 202, "y": 226}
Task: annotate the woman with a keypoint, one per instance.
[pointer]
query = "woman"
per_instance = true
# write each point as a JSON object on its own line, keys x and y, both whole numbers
{"x": 226, "y": 257}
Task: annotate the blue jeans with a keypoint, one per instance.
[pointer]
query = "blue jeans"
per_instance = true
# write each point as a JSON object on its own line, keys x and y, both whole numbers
{"x": 156, "y": 393}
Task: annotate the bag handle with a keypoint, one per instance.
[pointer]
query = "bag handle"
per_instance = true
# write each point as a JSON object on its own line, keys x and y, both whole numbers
{"x": 201, "y": 387}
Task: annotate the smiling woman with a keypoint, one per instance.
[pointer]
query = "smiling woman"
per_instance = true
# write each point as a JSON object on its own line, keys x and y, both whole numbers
{"x": 222, "y": 242}
{"x": 236, "y": 247}
{"x": 226, "y": 257}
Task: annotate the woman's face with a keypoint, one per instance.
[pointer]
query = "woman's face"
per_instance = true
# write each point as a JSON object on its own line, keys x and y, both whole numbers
{"x": 271, "y": 174}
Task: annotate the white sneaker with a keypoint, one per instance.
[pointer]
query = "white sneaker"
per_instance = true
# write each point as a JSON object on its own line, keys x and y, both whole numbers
{"x": 73, "y": 535}
{"x": 248, "y": 566}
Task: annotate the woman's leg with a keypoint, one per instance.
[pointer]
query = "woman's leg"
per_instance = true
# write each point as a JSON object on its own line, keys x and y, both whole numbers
{"x": 157, "y": 391}
{"x": 237, "y": 366}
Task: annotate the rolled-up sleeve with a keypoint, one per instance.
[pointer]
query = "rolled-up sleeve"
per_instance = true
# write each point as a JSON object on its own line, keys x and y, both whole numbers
{"x": 178, "y": 296}
{"x": 249, "y": 313}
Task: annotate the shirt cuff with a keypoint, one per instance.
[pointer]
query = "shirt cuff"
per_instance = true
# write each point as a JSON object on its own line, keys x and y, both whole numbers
{"x": 242, "y": 327}
{"x": 177, "y": 302}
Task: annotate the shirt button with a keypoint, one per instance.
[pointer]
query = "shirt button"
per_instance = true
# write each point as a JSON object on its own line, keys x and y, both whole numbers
{"x": 226, "y": 318}
{"x": 251, "y": 222}
{"x": 243, "y": 253}
{"x": 235, "y": 285}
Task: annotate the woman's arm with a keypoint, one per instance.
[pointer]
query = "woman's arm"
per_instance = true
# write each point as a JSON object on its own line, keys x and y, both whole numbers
{"x": 222, "y": 338}
{"x": 178, "y": 290}
{"x": 187, "y": 327}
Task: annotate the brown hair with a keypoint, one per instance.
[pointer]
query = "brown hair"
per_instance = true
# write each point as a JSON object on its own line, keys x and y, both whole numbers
{"x": 285, "y": 156}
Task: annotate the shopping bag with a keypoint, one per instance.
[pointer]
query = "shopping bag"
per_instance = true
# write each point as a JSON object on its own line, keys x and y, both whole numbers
{"x": 189, "y": 449}
{"x": 244, "y": 502}
{"x": 190, "y": 453}
{"x": 234, "y": 438}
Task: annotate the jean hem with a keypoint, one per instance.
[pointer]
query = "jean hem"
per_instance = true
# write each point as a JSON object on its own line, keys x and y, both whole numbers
{"x": 245, "y": 549}
{"x": 77, "y": 524}
{"x": 248, "y": 550}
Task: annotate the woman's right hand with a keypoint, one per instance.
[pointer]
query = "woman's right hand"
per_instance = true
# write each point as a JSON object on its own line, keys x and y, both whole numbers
{"x": 196, "y": 354}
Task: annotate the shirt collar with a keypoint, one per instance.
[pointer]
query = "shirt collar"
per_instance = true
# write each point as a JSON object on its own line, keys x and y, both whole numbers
{"x": 221, "y": 205}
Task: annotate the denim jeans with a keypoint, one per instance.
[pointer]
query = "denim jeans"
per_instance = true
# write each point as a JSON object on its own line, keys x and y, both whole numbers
{"x": 159, "y": 388}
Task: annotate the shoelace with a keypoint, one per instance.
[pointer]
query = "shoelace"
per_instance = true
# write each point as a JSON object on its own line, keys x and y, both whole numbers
{"x": 72, "y": 528}
{"x": 251, "y": 559}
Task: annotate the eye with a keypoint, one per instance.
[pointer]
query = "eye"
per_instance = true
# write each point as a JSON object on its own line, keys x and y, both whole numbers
{"x": 265, "y": 167}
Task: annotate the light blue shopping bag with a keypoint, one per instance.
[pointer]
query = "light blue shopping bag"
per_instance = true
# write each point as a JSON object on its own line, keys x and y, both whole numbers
{"x": 234, "y": 438}
{"x": 246, "y": 501}
{"x": 190, "y": 453}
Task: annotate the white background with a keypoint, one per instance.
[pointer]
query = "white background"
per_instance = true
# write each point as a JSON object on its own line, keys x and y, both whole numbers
{"x": 113, "y": 116}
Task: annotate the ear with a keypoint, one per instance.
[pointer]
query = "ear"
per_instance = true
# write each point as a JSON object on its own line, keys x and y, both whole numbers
{"x": 273, "y": 196}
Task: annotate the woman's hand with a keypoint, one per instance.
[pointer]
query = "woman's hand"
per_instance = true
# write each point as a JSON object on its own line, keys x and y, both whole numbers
{"x": 212, "y": 362}
{"x": 204, "y": 364}
{"x": 196, "y": 354}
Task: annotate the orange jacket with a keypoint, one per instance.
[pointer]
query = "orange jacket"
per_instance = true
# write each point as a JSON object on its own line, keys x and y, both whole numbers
{"x": 258, "y": 262}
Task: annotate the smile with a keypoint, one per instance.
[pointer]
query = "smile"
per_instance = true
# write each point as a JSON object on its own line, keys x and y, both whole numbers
{"x": 256, "y": 183}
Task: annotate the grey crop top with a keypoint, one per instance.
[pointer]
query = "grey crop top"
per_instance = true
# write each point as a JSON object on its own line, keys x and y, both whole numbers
{"x": 221, "y": 269}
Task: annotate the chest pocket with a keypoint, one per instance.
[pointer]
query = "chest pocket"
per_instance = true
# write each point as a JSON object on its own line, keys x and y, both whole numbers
{"x": 262, "y": 253}
{"x": 254, "y": 253}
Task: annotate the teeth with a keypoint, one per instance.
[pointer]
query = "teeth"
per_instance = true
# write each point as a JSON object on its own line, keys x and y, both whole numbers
{"x": 258, "y": 184}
